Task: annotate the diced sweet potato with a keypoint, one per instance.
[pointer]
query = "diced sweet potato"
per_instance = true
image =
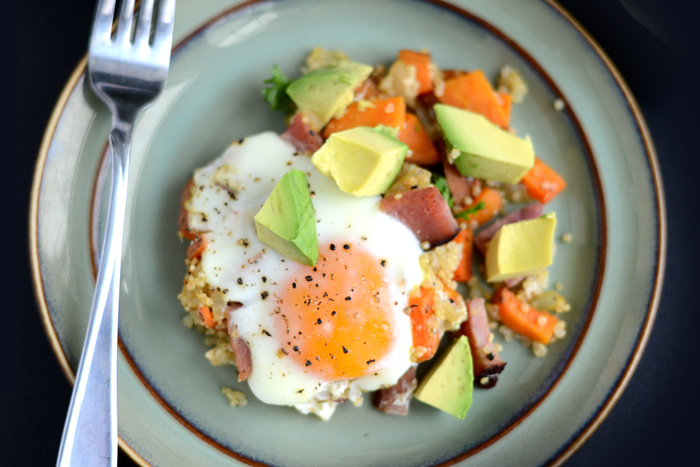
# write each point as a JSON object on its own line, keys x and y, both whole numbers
{"x": 421, "y": 148}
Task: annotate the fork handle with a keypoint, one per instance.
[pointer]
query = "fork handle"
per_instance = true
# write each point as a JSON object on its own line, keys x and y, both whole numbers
{"x": 90, "y": 431}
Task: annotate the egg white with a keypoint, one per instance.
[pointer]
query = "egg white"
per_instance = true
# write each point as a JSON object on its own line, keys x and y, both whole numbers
{"x": 248, "y": 271}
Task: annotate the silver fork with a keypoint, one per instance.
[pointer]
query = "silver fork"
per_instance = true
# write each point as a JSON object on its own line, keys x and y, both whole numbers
{"x": 127, "y": 72}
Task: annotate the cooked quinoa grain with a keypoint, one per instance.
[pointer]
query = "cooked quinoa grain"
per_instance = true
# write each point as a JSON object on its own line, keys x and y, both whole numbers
{"x": 235, "y": 398}
{"x": 539, "y": 349}
{"x": 511, "y": 82}
{"x": 441, "y": 262}
{"x": 411, "y": 177}
{"x": 221, "y": 354}
{"x": 560, "y": 329}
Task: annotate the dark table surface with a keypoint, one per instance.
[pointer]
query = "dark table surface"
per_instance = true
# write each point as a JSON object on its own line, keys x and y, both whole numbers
{"x": 649, "y": 41}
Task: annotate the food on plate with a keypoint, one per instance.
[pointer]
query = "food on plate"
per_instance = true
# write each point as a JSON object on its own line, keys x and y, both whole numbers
{"x": 450, "y": 381}
{"x": 480, "y": 149}
{"x": 301, "y": 335}
{"x": 325, "y": 92}
{"x": 486, "y": 361}
{"x": 520, "y": 248}
{"x": 542, "y": 183}
{"x": 375, "y": 245}
{"x": 287, "y": 220}
{"x": 363, "y": 161}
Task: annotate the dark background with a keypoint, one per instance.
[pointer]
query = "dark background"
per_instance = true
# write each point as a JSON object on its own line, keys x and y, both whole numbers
{"x": 649, "y": 41}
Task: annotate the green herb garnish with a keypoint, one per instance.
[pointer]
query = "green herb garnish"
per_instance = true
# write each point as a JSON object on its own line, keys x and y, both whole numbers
{"x": 276, "y": 95}
{"x": 473, "y": 210}
{"x": 440, "y": 183}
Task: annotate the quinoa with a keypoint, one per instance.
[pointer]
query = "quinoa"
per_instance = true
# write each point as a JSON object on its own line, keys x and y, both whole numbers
{"x": 533, "y": 285}
{"x": 401, "y": 81}
{"x": 221, "y": 354}
{"x": 507, "y": 332}
{"x": 417, "y": 352}
{"x": 411, "y": 177}
{"x": 193, "y": 295}
{"x": 441, "y": 262}
{"x": 539, "y": 349}
{"x": 511, "y": 82}
{"x": 451, "y": 309}
{"x": 560, "y": 329}
{"x": 320, "y": 57}
{"x": 235, "y": 398}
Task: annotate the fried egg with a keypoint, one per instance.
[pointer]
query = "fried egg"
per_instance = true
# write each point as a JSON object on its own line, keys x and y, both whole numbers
{"x": 314, "y": 332}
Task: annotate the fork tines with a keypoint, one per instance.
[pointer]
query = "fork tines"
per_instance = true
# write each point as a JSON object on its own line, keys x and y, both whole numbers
{"x": 121, "y": 30}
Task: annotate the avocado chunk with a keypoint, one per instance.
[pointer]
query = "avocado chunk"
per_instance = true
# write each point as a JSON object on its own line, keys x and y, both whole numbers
{"x": 521, "y": 248}
{"x": 287, "y": 220}
{"x": 481, "y": 149}
{"x": 363, "y": 161}
{"x": 449, "y": 383}
{"x": 325, "y": 92}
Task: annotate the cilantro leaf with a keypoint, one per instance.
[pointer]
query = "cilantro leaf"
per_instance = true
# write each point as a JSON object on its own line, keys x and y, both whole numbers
{"x": 473, "y": 210}
{"x": 276, "y": 94}
{"x": 440, "y": 183}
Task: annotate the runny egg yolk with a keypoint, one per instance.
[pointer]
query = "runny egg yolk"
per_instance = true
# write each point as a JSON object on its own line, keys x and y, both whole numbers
{"x": 338, "y": 321}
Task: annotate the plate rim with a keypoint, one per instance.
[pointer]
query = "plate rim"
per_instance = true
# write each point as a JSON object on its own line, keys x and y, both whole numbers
{"x": 655, "y": 297}
{"x": 615, "y": 391}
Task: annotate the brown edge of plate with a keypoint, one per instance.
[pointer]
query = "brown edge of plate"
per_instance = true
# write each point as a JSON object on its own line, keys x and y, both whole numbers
{"x": 582, "y": 436}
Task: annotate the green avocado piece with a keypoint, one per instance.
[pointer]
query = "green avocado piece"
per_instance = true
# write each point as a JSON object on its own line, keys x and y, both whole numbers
{"x": 481, "y": 149}
{"x": 287, "y": 220}
{"x": 521, "y": 248}
{"x": 363, "y": 161}
{"x": 449, "y": 383}
{"x": 325, "y": 92}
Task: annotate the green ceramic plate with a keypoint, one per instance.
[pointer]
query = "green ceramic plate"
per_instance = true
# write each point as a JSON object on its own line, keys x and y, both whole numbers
{"x": 171, "y": 411}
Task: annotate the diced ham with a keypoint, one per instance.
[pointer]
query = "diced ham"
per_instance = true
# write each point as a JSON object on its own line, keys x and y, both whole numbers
{"x": 395, "y": 399}
{"x": 196, "y": 248}
{"x": 243, "y": 360}
{"x": 450, "y": 74}
{"x": 301, "y": 136}
{"x": 531, "y": 211}
{"x": 510, "y": 283}
{"x": 239, "y": 346}
{"x": 487, "y": 362}
{"x": 367, "y": 90}
{"x": 459, "y": 185}
{"x": 426, "y": 115}
{"x": 425, "y": 212}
